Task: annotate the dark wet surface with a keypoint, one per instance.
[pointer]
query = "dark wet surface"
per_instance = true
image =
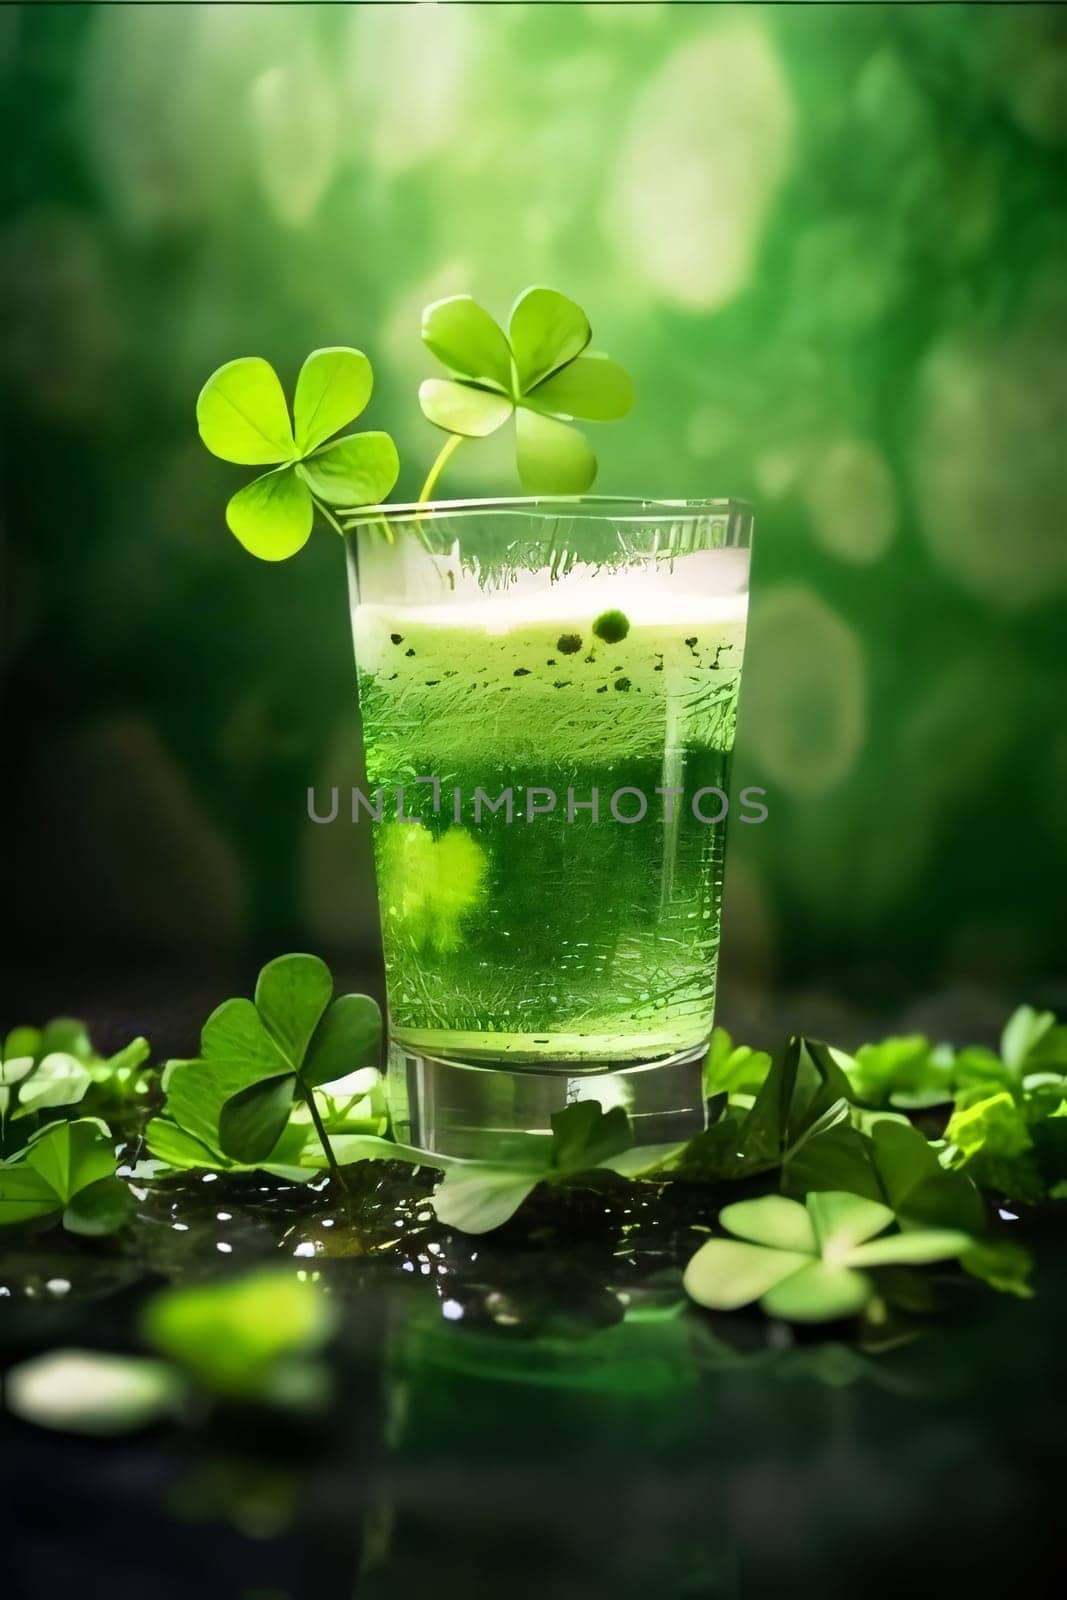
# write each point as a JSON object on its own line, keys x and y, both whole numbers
{"x": 535, "y": 1413}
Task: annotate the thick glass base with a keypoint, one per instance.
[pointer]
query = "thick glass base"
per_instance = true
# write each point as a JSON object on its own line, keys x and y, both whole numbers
{"x": 484, "y": 1113}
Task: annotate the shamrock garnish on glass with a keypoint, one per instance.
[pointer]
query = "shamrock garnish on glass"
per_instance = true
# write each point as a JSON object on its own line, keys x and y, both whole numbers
{"x": 540, "y": 372}
{"x": 243, "y": 417}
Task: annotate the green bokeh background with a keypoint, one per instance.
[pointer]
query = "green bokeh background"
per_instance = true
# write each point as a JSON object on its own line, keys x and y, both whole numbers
{"x": 831, "y": 244}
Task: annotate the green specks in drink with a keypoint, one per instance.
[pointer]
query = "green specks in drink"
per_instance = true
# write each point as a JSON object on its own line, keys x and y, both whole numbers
{"x": 623, "y": 684}
{"x": 611, "y": 626}
{"x": 568, "y": 644}
{"x": 397, "y": 638}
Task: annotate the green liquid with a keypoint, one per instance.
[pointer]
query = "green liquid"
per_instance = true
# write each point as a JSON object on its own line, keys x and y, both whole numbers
{"x": 549, "y": 940}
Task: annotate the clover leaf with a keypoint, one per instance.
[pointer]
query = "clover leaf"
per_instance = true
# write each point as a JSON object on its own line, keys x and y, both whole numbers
{"x": 45, "y": 1069}
{"x": 67, "y": 1167}
{"x": 477, "y": 1196}
{"x": 256, "y": 1059}
{"x": 92, "y": 1392}
{"x": 248, "y": 1338}
{"x": 908, "y": 1072}
{"x": 242, "y": 416}
{"x": 804, "y": 1092}
{"x": 38, "y": 1073}
{"x": 540, "y": 372}
{"x": 808, "y": 1263}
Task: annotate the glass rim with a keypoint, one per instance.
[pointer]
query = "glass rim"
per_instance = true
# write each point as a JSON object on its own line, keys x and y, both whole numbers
{"x": 631, "y": 508}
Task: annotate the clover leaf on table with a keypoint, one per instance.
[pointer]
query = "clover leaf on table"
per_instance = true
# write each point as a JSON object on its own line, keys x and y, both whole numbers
{"x": 39, "y": 1071}
{"x": 242, "y": 416}
{"x": 257, "y": 1058}
{"x": 811, "y": 1262}
{"x": 68, "y": 1168}
{"x": 540, "y": 372}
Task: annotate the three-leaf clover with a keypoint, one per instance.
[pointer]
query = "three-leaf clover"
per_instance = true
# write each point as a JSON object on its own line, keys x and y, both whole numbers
{"x": 242, "y": 417}
{"x": 807, "y": 1263}
{"x": 257, "y": 1056}
{"x": 540, "y": 372}
{"x": 67, "y": 1167}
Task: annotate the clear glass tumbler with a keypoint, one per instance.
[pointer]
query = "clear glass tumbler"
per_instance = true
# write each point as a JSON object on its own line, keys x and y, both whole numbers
{"x": 548, "y": 690}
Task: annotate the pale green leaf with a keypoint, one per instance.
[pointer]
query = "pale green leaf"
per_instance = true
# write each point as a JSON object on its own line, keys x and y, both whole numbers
{"x": 820, "y": 1293}
{"x": 88, "y": 1392}
{"x": 242, "y": 415}
{"x": 59, "y": 1080}
{"x": 463, "y": 336}
{"x": 292, "y": 993}
{"x": 272, "y": 515}
{"x": 14, "y": 1069}
{"x": 1023, "y": 1032}
{"x": 916, "y": 1246}
{"x": 333, "y": 387}
{"x": 553, "y": 457}
{"x": 590, "y": 387}
{"x": 462, "y": 408}
{"x": 726, "y": 1274}
{"x": 476, "y": 1196}
{"x": 231, "y": 1335}
{"x": 358, "y": 470}
{"x": 546, "y": 331}
{"x": 844, "y": 1220}
{"x": 772, "y": 1220}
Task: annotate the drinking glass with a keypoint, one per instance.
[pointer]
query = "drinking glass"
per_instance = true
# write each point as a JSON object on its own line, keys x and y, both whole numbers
{"x": 548, "y": 691}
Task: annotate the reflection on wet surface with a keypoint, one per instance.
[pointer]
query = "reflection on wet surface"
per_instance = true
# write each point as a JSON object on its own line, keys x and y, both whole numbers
{"x": 533, "y": 1413}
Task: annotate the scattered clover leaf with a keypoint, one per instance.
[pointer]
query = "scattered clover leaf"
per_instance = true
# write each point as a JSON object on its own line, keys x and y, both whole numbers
{"x": 48, "y": 1068}
{"x": 990, "y": 1139}
{"x": 909, "y": 1073}
{"x": 91, "y": 1392}
{"x": 247, "y": 1338}
{"x": 243, "y": 417}
{"x": 733, "y": 1069}
{"x": 67, "y": 1168}
{"x": 804, "y": 1091}
{"x": 1004, "y": 1264}
{"x": 256, "y": 1058}
{"x": 811, "y": 1262}
{"x": 477, "y": 1196}
{"x": 540, "y": 372}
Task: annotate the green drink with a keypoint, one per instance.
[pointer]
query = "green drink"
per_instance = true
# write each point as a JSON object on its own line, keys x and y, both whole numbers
{"x": 548, "y": 723}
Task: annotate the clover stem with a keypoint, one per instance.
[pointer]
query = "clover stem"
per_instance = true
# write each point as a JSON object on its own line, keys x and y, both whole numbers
{"x": 335, "y": 1171}
{"x": 451, "y": 444}
{"x": 320, "y": 505}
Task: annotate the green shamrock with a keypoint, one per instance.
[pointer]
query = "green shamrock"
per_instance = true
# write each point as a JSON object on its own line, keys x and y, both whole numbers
{"x": 242, "y": 417}
{"x": 540, "y": 372}
{"x": 805, "y": 1262}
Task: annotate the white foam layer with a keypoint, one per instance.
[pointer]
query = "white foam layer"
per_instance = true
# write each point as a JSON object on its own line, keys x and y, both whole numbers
{"x": 571, "y": 602}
